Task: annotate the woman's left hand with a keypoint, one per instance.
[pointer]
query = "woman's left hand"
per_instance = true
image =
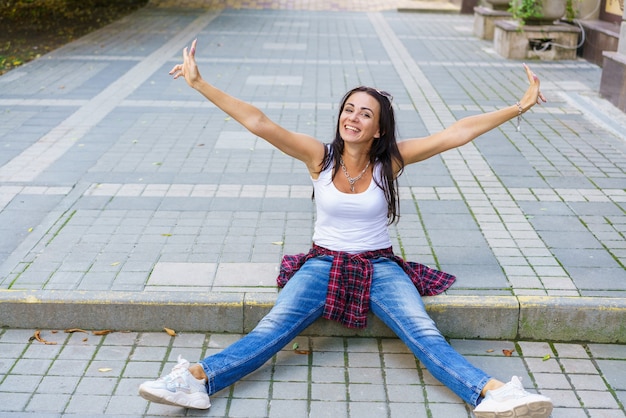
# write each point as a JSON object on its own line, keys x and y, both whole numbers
{"x": 533, "y": 94}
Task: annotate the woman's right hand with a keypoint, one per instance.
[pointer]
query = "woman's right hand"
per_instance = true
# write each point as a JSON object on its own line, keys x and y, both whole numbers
{"x": 188, "y": 69}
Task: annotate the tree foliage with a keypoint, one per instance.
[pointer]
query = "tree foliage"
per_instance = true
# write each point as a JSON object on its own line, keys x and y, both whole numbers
{"x": 31, "y": 28}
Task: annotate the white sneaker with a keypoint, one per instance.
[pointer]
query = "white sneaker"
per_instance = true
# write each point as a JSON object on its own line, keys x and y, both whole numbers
{"x": 512, "y": 400}
{"x": 179, "y": 388}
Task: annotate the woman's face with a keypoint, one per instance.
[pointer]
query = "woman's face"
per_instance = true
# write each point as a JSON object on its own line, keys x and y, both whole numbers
{"x": 359, "y": 118}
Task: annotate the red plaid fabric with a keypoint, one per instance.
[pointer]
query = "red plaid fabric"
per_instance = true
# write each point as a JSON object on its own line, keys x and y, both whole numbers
{"x": 348, "y": 297}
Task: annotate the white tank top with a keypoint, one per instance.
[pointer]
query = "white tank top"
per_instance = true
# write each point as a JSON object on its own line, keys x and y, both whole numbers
{"x": 350, "y": 222}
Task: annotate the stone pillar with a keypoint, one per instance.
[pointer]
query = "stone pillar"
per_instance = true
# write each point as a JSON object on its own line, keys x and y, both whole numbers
{"x": 613, "y": 82}
{"x": 485, "y": 19}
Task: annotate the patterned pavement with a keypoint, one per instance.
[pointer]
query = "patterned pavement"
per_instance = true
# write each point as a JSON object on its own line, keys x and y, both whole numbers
{"x": 128, "y": 202}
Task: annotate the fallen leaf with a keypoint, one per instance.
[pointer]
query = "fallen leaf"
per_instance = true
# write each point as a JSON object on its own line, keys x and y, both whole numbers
{"x": 170, "y": 332}
{"x": 298, "y": 351}
{"x": 30, "y": 229}
{"x": 85, "y": 339}
{"x": 37, "y": 336}
{"x": 490, "y": 350}
{"x": 166, "y": 235}
{"x": 508, "y": 353}
{"x": 105, "y": 369}
{"x": 72, "y": 330}
{"x": 115, "y": 263}
{"x": 546, "y": 357}
{"x": 102, "y": 332}
{"x": 277, "y": 243}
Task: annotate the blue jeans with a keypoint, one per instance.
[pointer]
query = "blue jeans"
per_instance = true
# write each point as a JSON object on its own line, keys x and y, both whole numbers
{"x": 394, "y": 299}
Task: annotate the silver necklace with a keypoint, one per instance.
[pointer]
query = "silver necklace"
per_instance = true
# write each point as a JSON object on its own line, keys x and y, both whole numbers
{"x": 352, "y": 180}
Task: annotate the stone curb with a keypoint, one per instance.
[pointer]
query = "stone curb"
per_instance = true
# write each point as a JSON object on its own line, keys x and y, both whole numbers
{"x": 430, "y": 7}
{"x": 593, "y": 320}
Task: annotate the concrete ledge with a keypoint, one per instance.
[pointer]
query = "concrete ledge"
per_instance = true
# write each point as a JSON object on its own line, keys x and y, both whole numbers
{"x": 482, "y": 317}
{"x": 119, "y": 310}
{"x": 573, "y": 319}
{"x": 429, "y": 6}
{"x": 456, "y": 317}
{"x": 487, "y": 317}
{"x": 545, "y": 42}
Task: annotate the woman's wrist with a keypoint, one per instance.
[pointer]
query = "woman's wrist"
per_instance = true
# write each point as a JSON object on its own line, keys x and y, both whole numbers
{"x": 198, "y": 84}
{"x": 520, "y": 110}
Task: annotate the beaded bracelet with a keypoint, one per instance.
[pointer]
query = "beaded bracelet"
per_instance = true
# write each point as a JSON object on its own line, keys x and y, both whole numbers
{"x": 520, "y": 110}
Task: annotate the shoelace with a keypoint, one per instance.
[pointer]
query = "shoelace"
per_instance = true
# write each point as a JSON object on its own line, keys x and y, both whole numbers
{"x": 178, "y": 370}
{"x": 513, "y": 389}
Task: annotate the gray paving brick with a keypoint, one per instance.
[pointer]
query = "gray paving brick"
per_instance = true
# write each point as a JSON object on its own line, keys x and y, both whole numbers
{"x": 127, "y": 405}
{"x": 20, "y": 384}
{"x": 78, "y": 352}
{"x": 14, "y": 401}
{"x": 554, "y": 381}
{"x": 249, "y": 408}
{"x": 328, "y": 374}
{"x": 289, "y": 391}
{"x": 45, "y": 402}
{"x": 58, "y": 384}
{"x": 143, "y": 369}
{"x": 612, "y": 371}
{"x": 287, "y": 408}
{"x": 31, "y": 367}
{"x": 108, "y": 368}
{"x": 87, "y": 404}
{"x": 68, "y": 368}
{"x": 604, "y": 412}
{"x": 568, "y": 412}
{"x": 96, "y": 386}
{"x": 445, "y": 409}
{"x": 562, "y": 398}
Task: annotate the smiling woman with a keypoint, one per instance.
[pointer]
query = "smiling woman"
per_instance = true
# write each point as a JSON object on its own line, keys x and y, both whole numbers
{"x": 351, "y": 268}
{"x": 33, "y": 28}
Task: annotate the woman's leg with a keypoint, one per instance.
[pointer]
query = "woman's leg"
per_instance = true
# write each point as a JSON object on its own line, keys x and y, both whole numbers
{"x": 299, "y": 304}
{"x": 395, "y": 300}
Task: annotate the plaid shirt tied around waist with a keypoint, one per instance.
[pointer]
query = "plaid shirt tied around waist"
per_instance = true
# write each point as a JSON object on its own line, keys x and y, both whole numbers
{"x": 348, "y": 296}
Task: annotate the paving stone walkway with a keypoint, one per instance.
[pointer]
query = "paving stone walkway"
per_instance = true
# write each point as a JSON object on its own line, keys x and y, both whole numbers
{"x": 125, "y": 196}
{"x": 86, "y": 375}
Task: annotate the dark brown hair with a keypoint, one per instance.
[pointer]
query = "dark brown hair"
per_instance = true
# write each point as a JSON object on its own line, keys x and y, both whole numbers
{"x": 384, "y": 150}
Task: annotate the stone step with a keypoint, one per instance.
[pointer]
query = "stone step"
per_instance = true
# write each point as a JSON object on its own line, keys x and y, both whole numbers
{"x": 472, "y": 317}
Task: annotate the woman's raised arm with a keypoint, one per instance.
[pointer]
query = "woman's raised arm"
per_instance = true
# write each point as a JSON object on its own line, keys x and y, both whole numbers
{"x": 469, "y": 128}
{"x": 300, "y": 146}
